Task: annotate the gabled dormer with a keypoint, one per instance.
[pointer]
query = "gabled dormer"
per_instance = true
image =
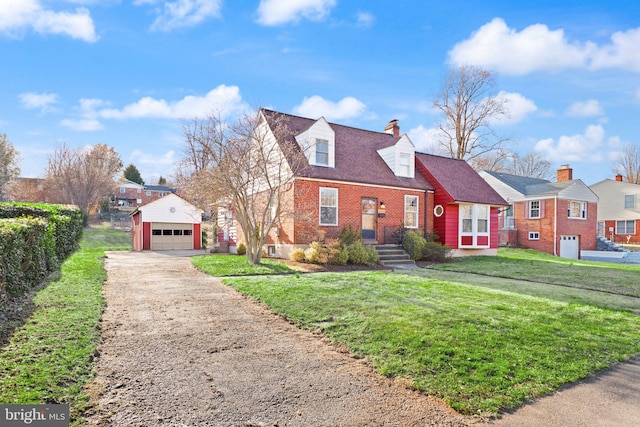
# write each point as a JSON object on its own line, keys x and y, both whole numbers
{"x": 400, "y": 157}
{"x": 318, "y": 143}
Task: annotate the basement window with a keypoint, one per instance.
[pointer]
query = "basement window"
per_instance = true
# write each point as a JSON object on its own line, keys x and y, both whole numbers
{"x": 534, "y": 235}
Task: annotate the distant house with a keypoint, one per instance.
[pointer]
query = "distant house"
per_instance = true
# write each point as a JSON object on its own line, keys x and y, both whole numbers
{"x": 130, "y": 195}
{"x": 26, "y": 190}
{"x": 466, "y": 206}
{"x": 555, "y": 217}
{"x": 618, "y": 210}
{"x": 373, "y": 182}
{"x": 168, "y": 223}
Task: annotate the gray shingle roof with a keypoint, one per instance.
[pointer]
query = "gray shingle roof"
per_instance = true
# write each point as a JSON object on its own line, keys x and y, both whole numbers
{"x": 531, "y": 186}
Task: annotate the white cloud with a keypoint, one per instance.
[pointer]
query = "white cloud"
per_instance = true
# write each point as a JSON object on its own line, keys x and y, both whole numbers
{"x": 82, "y": 125}
{"x": 426, "y": 140}
{"x": 276, "y": 12}
{"x": 140, "y": 158}
{"x": 622, "y": 53}
{"x": 317, "y": 106}
{"x": 365, "y": 19}
{"x": 17, "y": 16}
{"x": 587, "y": 108}
{"x": 586, "y": 147}
{"x": 498, "y": 47}
{"x": 224, "y": 99}
{"x": 517, "y": 106}
{"x": 183, "y": 13}
{"x": 35, "y": 101}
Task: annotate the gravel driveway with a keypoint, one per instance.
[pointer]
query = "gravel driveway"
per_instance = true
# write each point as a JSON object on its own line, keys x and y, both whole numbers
{"x": 182, "y": 349}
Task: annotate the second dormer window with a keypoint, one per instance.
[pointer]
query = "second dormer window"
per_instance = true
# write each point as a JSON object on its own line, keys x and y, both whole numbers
{"x": 322, "y": 152}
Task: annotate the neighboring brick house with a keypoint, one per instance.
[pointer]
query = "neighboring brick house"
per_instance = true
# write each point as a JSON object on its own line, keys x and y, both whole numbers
{"x": 466, "y": 206}
{"x": 361, "y": 179}
{"x": 559, "y": 217}
{"x": 26, "y": 190}
{"x": 130, "y": 195}
{"x": 618, "y": 210}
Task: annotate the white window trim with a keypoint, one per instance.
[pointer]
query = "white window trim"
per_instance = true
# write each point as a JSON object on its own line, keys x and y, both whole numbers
{"x": 401, "y": 167}
{"x": 320, "y": 206}
{"x": 417, "y": 211}
{"x": 625, "y": 226}
{"x": 315, "y": 153}
{"x": 534, "y": 235}
{"x": 633, "y": 201}
{"x": 529, "y": 209}
{"x": 583, "y": 210}
{"x": 474, "y": 226}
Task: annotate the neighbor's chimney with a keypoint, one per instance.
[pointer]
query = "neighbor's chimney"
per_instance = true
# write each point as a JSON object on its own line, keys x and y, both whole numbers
{"x": 565, "y": 173}
{"x": 393, "y": 128}
{"x": 618, "y": 177}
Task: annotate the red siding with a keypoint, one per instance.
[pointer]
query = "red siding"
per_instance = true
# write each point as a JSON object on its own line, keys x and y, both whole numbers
{"x": 197, "y": 236}
{"x": 450, "y": 229}
{"x": 146, "y": 236}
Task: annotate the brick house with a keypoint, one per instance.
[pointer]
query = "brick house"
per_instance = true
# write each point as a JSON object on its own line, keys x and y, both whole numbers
{"x": 356, "y": 178}
{"x": 466, "y": 206}
{"x": 559, "y": 217}
{"x": 129, "y": 195}
{"x": 618, "y": 210}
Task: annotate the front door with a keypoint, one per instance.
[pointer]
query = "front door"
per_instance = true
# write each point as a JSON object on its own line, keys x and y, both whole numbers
{"x": 369, "y": 210}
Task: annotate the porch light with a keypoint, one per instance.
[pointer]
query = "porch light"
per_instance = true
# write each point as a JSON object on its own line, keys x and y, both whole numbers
{"x": 382, "y": 210}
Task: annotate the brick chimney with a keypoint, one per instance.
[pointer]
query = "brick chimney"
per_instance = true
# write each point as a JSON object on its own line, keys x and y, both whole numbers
{"x": 565, "y": 173}
{"x": 618, "y": 177}
{"x": 393, "y": 128}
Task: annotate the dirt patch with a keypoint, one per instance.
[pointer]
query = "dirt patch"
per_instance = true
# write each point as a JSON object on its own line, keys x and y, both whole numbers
{"x": 180, "y": 348}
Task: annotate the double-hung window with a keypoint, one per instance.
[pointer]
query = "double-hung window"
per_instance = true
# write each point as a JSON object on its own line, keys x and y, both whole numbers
{"x": 411, "y": 211}
{"x": 404, "y": 164}
{"x": 629, "y": 201}
{"x": 328, "y": 206}
{"x": 626, "y": 227}
{"x": 322, "y": 152}
{"x": 534, "y": 209}
{"x": 577, "y": 210}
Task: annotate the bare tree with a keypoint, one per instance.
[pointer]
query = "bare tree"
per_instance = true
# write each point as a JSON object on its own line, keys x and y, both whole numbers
{"x": 627, "y": 164}
{"x": 531, "y": 165}
{"x": 493, "y": 161}
{"x": 82, "y": 176}
{"x": 9, "y": 158}
{"x": 251, "y": 164}
{"x": 469, "y": 108}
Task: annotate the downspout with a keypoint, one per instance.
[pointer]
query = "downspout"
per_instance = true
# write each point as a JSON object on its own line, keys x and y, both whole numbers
{"x": 555, "y": 225}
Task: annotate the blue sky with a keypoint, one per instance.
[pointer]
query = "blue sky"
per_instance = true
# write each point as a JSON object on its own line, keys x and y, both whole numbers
{"x": 127, "y": 72}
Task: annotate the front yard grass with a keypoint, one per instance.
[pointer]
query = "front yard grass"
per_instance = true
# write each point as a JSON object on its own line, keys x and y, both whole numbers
{"x": 482, "y": 350}
{"x": 50, "y": 358}
{"x": 237, "y": 265}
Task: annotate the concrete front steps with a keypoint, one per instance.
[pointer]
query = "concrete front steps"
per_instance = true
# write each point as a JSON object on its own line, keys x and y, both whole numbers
{"x": 394, "y": 256}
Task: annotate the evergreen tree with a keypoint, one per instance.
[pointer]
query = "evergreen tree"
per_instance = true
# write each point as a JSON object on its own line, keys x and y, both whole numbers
{"x": 132, "y": 173}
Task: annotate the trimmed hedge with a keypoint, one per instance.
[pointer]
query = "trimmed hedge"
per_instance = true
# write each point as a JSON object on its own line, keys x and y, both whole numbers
{"x": 34, "y": 240}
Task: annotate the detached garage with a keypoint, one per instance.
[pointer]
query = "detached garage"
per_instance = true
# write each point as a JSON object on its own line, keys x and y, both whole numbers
{"x": 169, "y": 223}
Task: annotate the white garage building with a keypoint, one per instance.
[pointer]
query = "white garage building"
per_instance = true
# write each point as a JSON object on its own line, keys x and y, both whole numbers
{"x": 169, "y": 223}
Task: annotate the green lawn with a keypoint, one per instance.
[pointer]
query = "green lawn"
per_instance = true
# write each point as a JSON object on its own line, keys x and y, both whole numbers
{"x": 481, "y": 349}
{"x": 238, "y": 265}
{"x": 49, "y": 359}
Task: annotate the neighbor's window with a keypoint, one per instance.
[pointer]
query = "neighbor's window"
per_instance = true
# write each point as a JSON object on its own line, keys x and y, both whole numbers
{"x": 630, "y": 201}
{"x": 411, "y": 211}
{"x": 626, "y": 227}
{"x": 474, "y": 225}
{"x": 123, "y": 189}
{"x": 322, "y": 152}
{"x": 534, "y": 209}
{"x": 577, "y": 210}
{"x": 328, "y": 206}
{"x": 534, "y": 235}
{"x": 148, "y": 193}
{"x": 404, "y": 166}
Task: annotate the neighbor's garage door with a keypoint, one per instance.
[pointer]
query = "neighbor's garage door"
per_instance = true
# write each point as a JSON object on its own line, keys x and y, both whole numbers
{"x": 168, "y": 236}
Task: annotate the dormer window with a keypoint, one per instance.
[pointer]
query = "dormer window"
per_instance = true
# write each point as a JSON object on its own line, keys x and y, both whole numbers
{"x": 404, "y": 164}
{"x": 322, "y": 152}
